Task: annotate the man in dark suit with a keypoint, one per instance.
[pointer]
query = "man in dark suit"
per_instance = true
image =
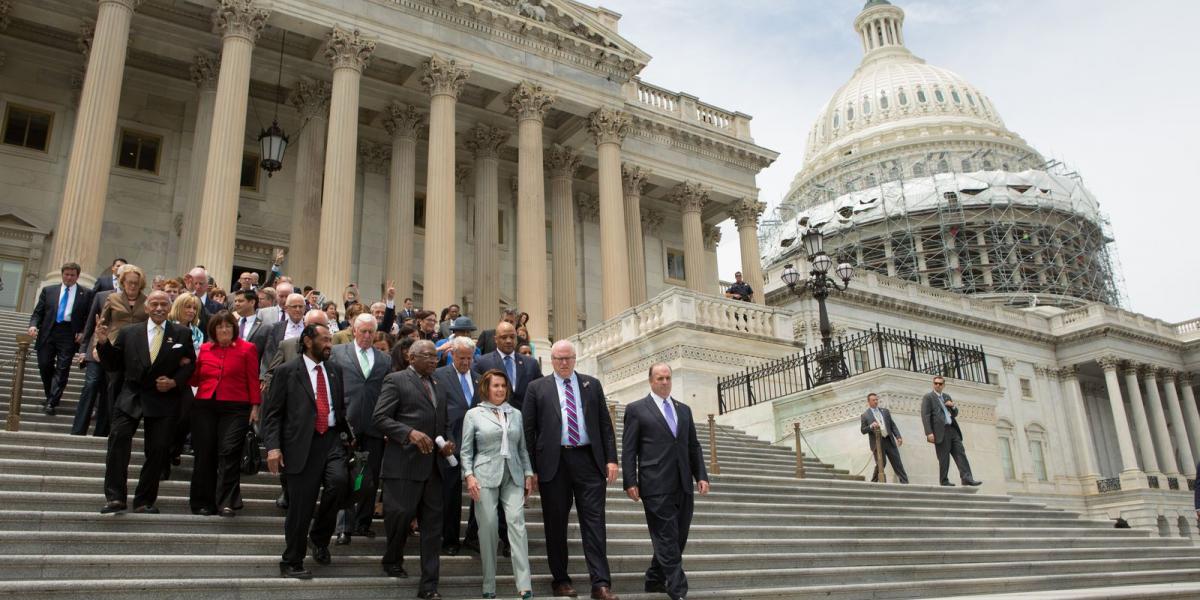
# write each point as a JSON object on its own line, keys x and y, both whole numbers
{"x": 574, "y": 455}
{"x": 522, "y": 370}
{"x": 94, "y": 396}
{"x": 306, "y": 435}
{"x": 487, "y": 339}
{"x": 200, "y": 290}
{"x": 660, "y": 458}
{"x": 155, "y": 361}
{"x": 363, "y": 371}
{"x": 411, "y": 416}
{"x": 409, "y": 311}
{"x": 940, "y": 418}
{"x": 880, "y": 419}
{"x": 456, "y": 385}
{"x": 250, "y": 326}
{"x": 108, "y": 281}
{"x": 57, "y": 323}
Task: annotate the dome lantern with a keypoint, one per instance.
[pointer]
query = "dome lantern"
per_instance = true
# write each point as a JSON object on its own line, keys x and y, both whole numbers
{"x": 880, "y": 26}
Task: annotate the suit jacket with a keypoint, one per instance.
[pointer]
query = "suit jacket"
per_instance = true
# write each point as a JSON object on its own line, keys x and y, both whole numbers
{"x": 273, "y": 334}
{"x": 104, "y": 283}
{"x": 289, "y": 412}
{"x": 89, "y": 342}
{"x": 119, "y": 313}
{"x": 46, "y": 310}
{"x": 130, "y": 354}
{"x": 450, "y": 388}
{"x": 654, "y": 459}
{"x": 404, "y": 406}
{"x": 287, "y": 352}
{"x": 543, "y": 424}
{"x": 212, "y": 307}
{"x": 270, "y": 315}
{"x": 482, "y": 439}
{"x": 362, "y": 393}
{"x": 868, "y": 417}
{"x": 934, "y": 420}
{"x": 527, "y": 370}
{"x": 257, "y": 334}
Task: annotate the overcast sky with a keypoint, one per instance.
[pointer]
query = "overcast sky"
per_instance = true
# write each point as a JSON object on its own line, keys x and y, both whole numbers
{"x": 1110, "y": 88}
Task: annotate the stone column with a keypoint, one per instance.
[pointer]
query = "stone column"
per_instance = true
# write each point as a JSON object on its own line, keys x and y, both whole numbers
{"x": 591, "y": 267}
{"x": 691, "y": 199}
{"x": 311, "y": 100}
{"x": 634, "y": 179}
{"x": 712, "y": 238}
{"x": 1022, "y": 460}
{"x": 1129, "y": 467}
{"x": 81, "y": 216}
{"x": 1178, "y": 426}
{"x": 1162, "y": 436}
{"x": 484, "y": 141}
{"x": 528, "y": 102}
{"x": 1080, "y": 432}
{"x": 609, "y": 128}
{"x": 1140, "y": 423}
{"x": 1189, "y": 408}
{"x": 348, "y": 53}
{"x": 204, "y": 74}
{"x": 745, "y": 215}
{"x": 562, "y": 163}
{"x": 401, "y": 123}
{"x": 443, "y": 79}
{"x": 240, "y": 22}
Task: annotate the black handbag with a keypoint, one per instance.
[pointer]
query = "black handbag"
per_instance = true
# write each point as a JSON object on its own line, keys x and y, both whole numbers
{"x": 252, "y": 460}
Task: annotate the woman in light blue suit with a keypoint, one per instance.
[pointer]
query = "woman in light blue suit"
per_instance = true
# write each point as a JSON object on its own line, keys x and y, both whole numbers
{"x": 496, "y": 470}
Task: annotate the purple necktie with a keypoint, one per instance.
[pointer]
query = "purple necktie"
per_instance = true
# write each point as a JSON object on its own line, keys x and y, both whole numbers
{"x": 572, "y": 416}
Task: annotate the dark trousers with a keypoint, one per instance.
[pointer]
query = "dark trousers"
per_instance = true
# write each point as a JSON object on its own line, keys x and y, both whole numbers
{"x": 580, "y": 481}
{"x": 452, "y": 501}
{"x": 183, "y": 424}
{"x": 157, "y": 434}
{"x": 357, "y": 517}
{"x": 54, "y": 356}
{"x": 325, "y": 467}
{"x": 951, "y": 445}
{"x": 94, "y": 397}
{"x": 668, "y": 516}
{"x": 218, "y": 435}
{"x": 404, "y": 500}
{"x": 892, "y": 452}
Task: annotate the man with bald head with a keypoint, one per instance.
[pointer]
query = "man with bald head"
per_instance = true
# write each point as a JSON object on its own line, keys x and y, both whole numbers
{"x": 278, "y": 312}
{"x": 200, "y": 289}
{"x": 574, "y": 455}
{"x": 522, "y": 370}
{"x": 289, "y": 328}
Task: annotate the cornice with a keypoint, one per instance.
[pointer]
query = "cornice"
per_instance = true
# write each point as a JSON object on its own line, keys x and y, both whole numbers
{"x": 688, "y": 138}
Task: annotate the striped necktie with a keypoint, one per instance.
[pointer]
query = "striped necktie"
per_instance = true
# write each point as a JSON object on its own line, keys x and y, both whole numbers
{"x": 572, "y": 415}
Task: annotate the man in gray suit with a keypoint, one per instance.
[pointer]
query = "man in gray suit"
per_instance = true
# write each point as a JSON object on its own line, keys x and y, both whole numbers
{"x": 940, "y": 418}
{"x": 363, "y": 371}
{"x": 456, "y": 386}
{"x": 880, "y": 419}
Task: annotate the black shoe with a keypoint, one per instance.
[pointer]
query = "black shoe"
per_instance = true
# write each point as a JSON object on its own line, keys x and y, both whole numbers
{"x": 656, "y": 587}
{"x": 971, "y": 482}
{"x": 148, "y": 509}
{"x": 115, "y": 506}
{"x": 488, "y": 595}
{"x": 451, "y": 549}
{"x": 319, "y": 553}
{"x": 228, "y": 512}
{"x": 295, "y": 572}
{"x": 203, "y": 512}
{"x": 166, "y": 473}
{"x": 471, "y": 544}
{"x": 367, "y": 533}
{"x": 395, "y": 571}
{"x": 429, "y": 596}
{"x": 49, "y": 410}
{"x": 343, "y": 539}
{"x": 506, "y": 550}
{"x": 947, "y": 484}
{"x": 282, "y": 501}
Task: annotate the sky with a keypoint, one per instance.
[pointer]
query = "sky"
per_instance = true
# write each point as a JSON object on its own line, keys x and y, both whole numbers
{"x": 1101, "y": 85}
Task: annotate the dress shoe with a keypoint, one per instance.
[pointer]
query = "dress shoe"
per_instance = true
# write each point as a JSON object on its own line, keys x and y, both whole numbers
{"x": 564, "y": 590}
{"x": 148, "y": 509}
{"x": 947, "y": 484}
{"x": 295, "y": 572}
{"x": 526, "y": 595}
{"x": 429, "y": 596}
{"x": 166, "y": 473}
{"x": 115, "y": 506}
{"x": 49, "y": 410}
{"x": 656, "y": 587}
{"x": 603, "y": 593}
{"x": 367, "y": 533}
{"x": 343, "y": 539}
{"x": 471, "y": 544}
{"x": 395, "y": 571}
{"x": 488, "y": 595}
{"x": 282, "y": 501}
{"x": 319, "y": 553}
{"x": 971, "y": 482}
{"x": 228, "y": 512}
{"x": 204, "y": 512}
{"x": 239, "y": 505}
{"x": 451, "y": 549}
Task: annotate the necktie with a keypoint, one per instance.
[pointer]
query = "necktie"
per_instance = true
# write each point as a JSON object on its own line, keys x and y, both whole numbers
{"x": 945, "y": 410}
{"x": 62, "y": 305}
{"x": 242, "y": 328}
{"x": 322, "y": 402}
{"x": 669, "y": 413}
{"x": 466, "y": 386}
{"x": 364, "y": 362}
{"x": 429, "y": 391}
{"x": 512, "y": 371}
{"x": 572, "y": 416}
{"x": 879, "y": 419}
{"x": 156, "y": 343}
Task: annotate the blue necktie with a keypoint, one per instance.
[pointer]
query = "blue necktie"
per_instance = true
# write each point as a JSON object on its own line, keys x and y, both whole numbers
{"x": 462, "y": 377}
{"x": 512, "y": 371}
{"x": 669, "y": 412}
{"x": 945, "y": 410}
{"x": 62, "y": 305}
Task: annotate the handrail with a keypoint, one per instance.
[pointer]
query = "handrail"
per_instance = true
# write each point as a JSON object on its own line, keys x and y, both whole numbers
{"x": 13, "y": 423}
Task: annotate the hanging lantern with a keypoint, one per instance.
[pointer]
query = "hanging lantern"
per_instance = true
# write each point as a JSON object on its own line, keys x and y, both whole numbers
{"x": 272, "y": 142}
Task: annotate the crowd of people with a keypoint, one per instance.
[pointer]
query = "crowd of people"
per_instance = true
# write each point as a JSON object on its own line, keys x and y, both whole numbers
{"x": 353, "y": 399}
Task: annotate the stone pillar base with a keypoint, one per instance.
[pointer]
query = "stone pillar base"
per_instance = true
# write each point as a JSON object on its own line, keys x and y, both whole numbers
{"x": 1134, "y": 480}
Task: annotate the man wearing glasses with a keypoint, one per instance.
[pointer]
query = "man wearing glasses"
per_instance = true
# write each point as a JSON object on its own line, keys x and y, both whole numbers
{"x": 940, "y": 418}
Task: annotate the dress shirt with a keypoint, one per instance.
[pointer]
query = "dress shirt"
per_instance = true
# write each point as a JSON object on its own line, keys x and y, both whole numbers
{"x": 658, "y": 401}
{"x": 71, "y": 293}
{"x": 883, "y": 431}
{"x": 504, "y": 365}
{"x": 945, "y": 411}
{"x": 150, "y": 332}
{"x": 244, "y": 325}
{"x": 360, "y": 352}
{"x": 293, "y": 330}
{"x": 562, "y": 407}
{"x": 468, "y": 386}
{"x": 311, "y": 365}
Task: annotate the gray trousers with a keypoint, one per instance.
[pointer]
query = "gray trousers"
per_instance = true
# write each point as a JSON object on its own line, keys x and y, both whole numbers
{"x": 512, "y": 496}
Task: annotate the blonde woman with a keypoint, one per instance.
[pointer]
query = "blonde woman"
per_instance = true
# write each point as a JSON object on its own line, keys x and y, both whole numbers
{"x": 126, "y": 305}
{"x": 186, "y": 311}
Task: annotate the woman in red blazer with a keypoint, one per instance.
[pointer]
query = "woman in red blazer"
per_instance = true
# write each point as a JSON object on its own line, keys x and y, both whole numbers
{"x": 227, "y": 401}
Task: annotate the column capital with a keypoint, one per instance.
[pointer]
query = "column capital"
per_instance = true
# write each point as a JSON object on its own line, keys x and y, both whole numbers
{"x": 444, "y": 76}
{"x": 402, "y": 120}
{"x": 1045, "y": 371}
{"x": 1131, "y": 368}
{"x": 484, "y": 141}
{"x": 1185, "y": 378}
{"x": 608, "y": 126}
{"x": 204, "y": 70}
{"x": 633, "y": 179}
{"x": 1109, "y": 362}
{"x": 310, "y": 98}
{"x": 87, "y": 33}
{"x": 1169, "y": 375}
{"x": 348, "y": 49}
{"x": 1149, "y": 371}
{"x": 745, "y": 212}
{"x": 1069, "y": 372}
{"x": 5, "y": 8}
{"x": 374, "y": 158}
{"x": 130, "y": 4}
{"x": 588, "y": 207}
{"x": 562, "y": 161}
{"x": 529, "y": 101}
{"x": 652, "y": 220}
{"x": 1009, "y": 363}
{"x": 239, "y": 18}
{"x": 690, "y": 196}
{"x": 461, "y": 172}
{"x": 712, "y": 236}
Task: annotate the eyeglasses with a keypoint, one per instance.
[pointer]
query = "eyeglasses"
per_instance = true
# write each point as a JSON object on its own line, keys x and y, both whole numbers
{"x": 562, "y": 358}
{"x": 425, "y": 354}
{"x": 939, "y": 383}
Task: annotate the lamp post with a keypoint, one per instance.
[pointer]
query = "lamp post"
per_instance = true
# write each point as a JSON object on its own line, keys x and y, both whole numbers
{"x": 831, "y": 366}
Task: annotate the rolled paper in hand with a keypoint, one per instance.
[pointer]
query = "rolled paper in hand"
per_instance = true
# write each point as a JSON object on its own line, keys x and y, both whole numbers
{"x": 441, "y": 442}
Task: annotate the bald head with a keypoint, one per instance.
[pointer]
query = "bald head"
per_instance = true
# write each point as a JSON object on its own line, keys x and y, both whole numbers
{"x": 422, "y": 357}
{"x": 316, "y": 316}
{"x": 506, "y": 337}
{"x": 199, "y": 281}
{"x": 282, "y": 291}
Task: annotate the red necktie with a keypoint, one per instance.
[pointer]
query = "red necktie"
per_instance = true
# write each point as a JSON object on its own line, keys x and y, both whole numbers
{"x": 322, "y": 402}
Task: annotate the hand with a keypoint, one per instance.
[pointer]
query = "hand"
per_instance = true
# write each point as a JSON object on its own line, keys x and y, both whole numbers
{"x": 529, "y": 487}
{"x": 391, "y": 291}
{"x": 473, "y": 487}
{"x": 632, "y": 492}
{"x": 422, "y": 441}
{"x": 534, "y": 482}
{"x": 77, "y": 359}
{"x": 949, "y": 404}
{"x": 612, "y": 472}
{"x": 33, "y": 331}
{"x": 101, "y": 331}
{"x": 274, "y": 461}
{"x": 899, "y": 442}
{"x": 279, "y": 254}
{"x": 704, "y": 485}
{"x": 448, "y": 449}
{"x": 254, "y": 414}
{"x": 930, "y": 438}
{"x": 164, "y": 383}
{"x": 875, "y": 425}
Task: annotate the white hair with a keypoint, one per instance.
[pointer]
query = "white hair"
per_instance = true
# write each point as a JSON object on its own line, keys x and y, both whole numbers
{"x": 461, "y": 342}
{"x": 365, "y": 317}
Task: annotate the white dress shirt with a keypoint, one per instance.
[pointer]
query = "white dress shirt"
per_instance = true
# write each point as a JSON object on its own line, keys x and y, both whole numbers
{"x": 883, "y": 431}
{"x": 293, "y": 330}
{"x": 516, "y": 367}
{"x": 658, "y": 401}
{"x": 360, "y": 351}
{"x": 562, "y": 407}
{"x": 311, "y": 365}
{"x": 150, "y": 333}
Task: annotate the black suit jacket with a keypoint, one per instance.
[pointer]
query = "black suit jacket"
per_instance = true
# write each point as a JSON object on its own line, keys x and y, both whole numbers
{"x": 104, "y": 283}
{"x": 934, "y": 420}
{"x": 273, "y": 334}
{"x": 543, "y": 424}
{"x": 449, "y": 387}
{"x": 868, "y": 417}
{"x": 527, "y": 370}
{"x": 130, "y": 354}
{"x": 289, "y": 411}
{"x": 653, "y": 459}
{"x": 46, "y": 310}
{"x": 404, "y": 406}
{"x": 362, "y": 393}
{"x": 85, "y": 345}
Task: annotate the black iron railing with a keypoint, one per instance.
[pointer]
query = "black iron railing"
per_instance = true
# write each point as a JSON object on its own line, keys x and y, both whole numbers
{"x": 863, "y": 352}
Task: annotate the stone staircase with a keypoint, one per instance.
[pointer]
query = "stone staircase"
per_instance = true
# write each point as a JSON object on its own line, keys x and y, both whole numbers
{"x": 760, "y": 534}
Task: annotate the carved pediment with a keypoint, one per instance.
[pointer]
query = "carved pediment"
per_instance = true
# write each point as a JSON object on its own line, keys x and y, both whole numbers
{"x": 13, "y": 220}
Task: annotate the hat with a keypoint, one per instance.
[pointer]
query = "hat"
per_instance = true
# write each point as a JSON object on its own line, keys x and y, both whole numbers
{"x": 462, "y": 324}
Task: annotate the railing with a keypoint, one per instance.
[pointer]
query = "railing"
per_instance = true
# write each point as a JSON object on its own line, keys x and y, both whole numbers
{"x": 862, "y": 352}
{"x": 687, "y": 108}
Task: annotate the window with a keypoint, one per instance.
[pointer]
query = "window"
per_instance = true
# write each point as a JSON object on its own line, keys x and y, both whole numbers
{"x": 866, "y": 106}
{"x": 970, "y": 99}
{"x": 1006, "y": 459}
{"x": 954, "y": 96}
{"x": 12, "y": 271}
{"x": 835, "y": 120}
{"x": 850, "y": 113}
{"x": 943, "y": 166}
{"x": 993, "y": 378}
{"x": 419, "y": 213}
{"x": 903, "y": 98}
{"x": 860, "y": 360}
{"x": 966, "y": 165}
{"x": 939, "y": 96}
{"x": 900, "y": 361}
{"x": 1037, "y": 453}
{"x": 883, "y": 101}
{"x": 27, "y": 128}
{"x": 500, "y": 222}
{"x": 139, "y": 151}
{"x": 870, "y": 181}
{"x": 250, "y": 171}
{"x": 987, "y": 165}
{"x": 675, "y": 265}
{"x": 951, "y": 198}
{"x": 921, "y": 96}
{"x": 1026, "y": 388}
{"x": 919, "y": 169}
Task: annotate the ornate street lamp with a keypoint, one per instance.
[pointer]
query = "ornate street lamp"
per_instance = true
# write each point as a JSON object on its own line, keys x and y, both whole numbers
{"x": 831, "y": 365}
{"x": 272, "y": 141}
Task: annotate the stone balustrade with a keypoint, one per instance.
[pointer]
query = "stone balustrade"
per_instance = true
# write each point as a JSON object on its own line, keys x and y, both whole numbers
{"x": 688, "y": 108}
